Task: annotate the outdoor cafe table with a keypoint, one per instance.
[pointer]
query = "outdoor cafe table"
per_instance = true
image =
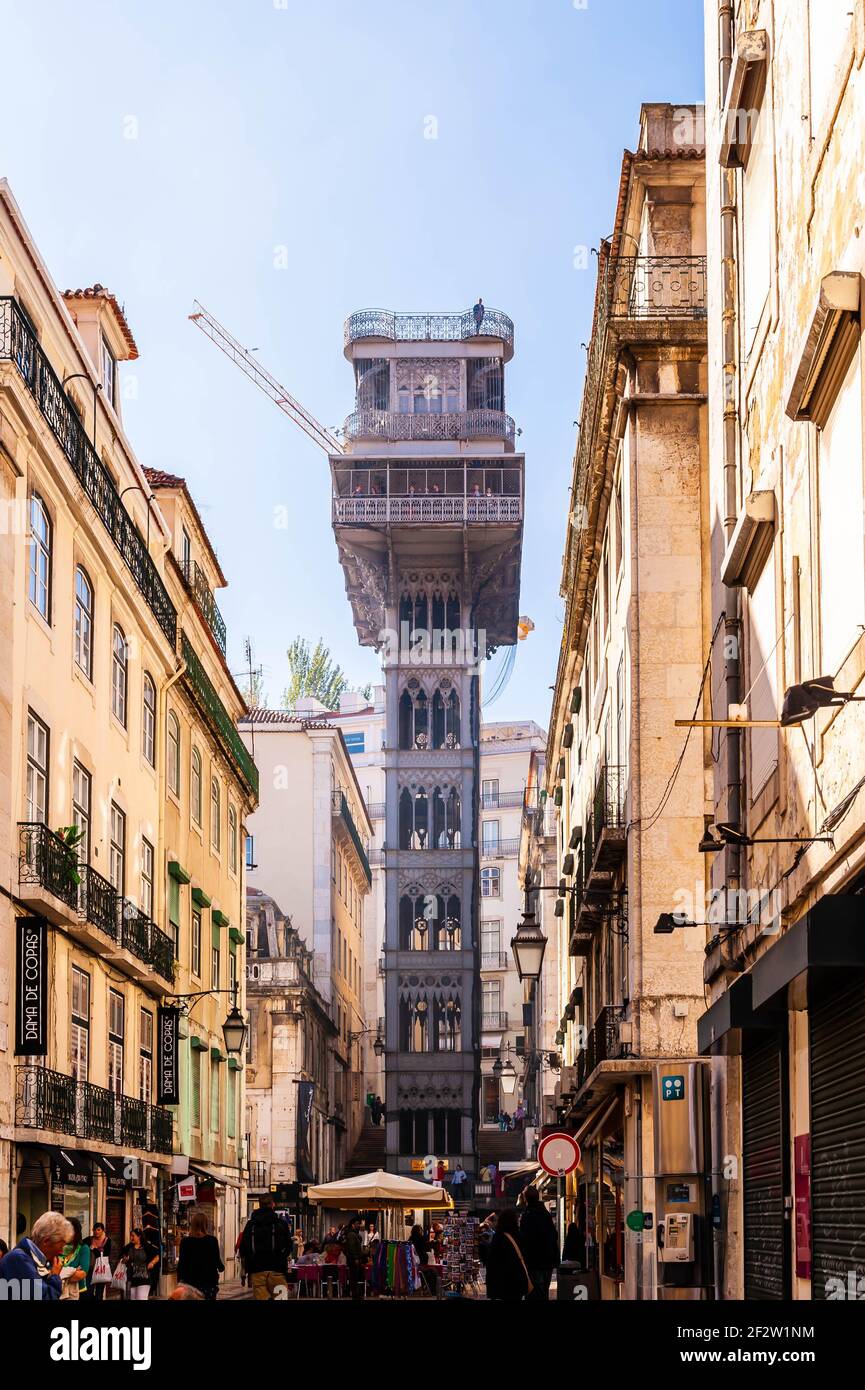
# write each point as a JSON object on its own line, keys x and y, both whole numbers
{"x": 311, "y": 1274}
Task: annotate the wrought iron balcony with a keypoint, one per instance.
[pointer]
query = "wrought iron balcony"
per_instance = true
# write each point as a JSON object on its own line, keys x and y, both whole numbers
{"x": 161, "y": 953}
{"x": 375, "y": 810}
{"x": 494, "y": 1022}
{"x": 602, "y": 1043}
{"x": 378, "y": 492}
{"x": 506, "y": 801}
{"x": 384, "y": 511}
{"x": 97, "y": 901}
{"x": 50, "y": 1100}
{"x": 656, "y": 287}
{"x": 196, "y": 582}
{"x": 342, "y": 809}
{"x": 134, "y": 929}
{"x": 45, "y": 860}
{"x": 220, "y": 721}
{"x": 18, "y": 344}
{"x": 396, "y": 426}
{"x": 495, "y": 960}
{"x": 608, "y": 812}
{"x": 500, "y": 849}
{"x": 430, "y": 328}
{"x": 259, "y": 1174}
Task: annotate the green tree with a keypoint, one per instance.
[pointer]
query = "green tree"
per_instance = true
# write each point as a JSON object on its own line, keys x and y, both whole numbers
{"x": 315, "y": 673}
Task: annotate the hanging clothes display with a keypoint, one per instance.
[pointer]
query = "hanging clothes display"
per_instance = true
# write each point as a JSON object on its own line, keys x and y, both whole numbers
{"x": 396, "y": 1268}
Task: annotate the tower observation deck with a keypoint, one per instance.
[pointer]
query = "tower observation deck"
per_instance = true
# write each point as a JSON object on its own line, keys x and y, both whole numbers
{"x": 428, "y": 502}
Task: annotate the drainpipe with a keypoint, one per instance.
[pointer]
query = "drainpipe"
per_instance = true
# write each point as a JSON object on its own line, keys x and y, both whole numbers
{"x": 732, "y": 625}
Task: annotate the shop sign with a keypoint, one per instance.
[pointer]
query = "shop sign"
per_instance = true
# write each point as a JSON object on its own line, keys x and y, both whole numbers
{"x": 168, "y": 1057}
{"x": 186, "y": 1189}
{"x": 672, "y": 1088}
{"x": 31, "y": 987}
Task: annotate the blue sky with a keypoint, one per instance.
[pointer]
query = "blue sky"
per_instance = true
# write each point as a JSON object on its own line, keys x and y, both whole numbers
{"x": 171, "y": 151}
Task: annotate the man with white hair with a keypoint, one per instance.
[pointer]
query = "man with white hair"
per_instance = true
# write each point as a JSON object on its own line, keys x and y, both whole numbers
{"x": 35, "y": 1261}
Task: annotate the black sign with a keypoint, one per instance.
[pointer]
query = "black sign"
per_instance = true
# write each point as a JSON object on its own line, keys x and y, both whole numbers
{"x": 305, "y": 1093}
{"x": 168, "y": 1057}
{"x": 31, "y": 987}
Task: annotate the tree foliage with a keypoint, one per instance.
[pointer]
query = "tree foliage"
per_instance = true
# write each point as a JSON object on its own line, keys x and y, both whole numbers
{"x": 314, "y": 672}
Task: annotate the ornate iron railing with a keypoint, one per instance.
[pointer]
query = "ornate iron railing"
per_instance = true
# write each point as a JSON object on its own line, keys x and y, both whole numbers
{"x": 133, "y": 1122}
{"x": 656, "y": 287}
{"x": 161, "y": 955}
{"x": 499, "y": 849}
{"x": 493, "y": 801}
{"x": 217, "y": 715}
{"x": 609, "y": 801}
{"x": 97, "y": 901}
{"x": 494, "y": 960}
{"x": 436, "y": 328}
{"x": 393, "y": 425}
{"x": 390, "y": 510}
{"x": 341, "y": 808}
{"x": 45, "y": 859}
{"x": 206, "y": 604}
{"x": 134, "y": 929}
{"x": 18, "y": 344}
{"x": 50, "y": 1100}
{"x": 375, "y": 810}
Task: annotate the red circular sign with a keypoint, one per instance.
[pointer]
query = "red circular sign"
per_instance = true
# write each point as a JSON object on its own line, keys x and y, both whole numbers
{"x": 559, "y": 1153}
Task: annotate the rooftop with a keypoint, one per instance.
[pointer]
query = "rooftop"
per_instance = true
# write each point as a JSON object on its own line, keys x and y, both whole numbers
{"x": 459, "y": 326}
{"x": 98, "y": 291}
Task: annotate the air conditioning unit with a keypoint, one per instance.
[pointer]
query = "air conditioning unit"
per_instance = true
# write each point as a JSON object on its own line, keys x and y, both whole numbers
{"x": 568, "y": 1082}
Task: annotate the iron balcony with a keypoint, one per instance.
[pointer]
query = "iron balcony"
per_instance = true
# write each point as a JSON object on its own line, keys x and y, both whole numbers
{"x": 18, "y": 344}
{"x": 50, "y": 1100}
{"x": 196, "y": 582}
{"x": 342, "y": 809}
{"x": 428, "y": 327}
{"x": 396, "y": 426}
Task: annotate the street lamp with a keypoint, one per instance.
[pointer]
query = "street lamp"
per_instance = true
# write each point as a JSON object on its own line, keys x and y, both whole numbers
{"x": 508, "y": 1078}
{"x": 234, "y": 1030}
{"x": 378, "y": 1046}
{"x": 529, "y": 945}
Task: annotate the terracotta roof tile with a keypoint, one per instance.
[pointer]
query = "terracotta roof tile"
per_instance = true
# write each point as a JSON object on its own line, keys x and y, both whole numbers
{"x": 100, "y": 292}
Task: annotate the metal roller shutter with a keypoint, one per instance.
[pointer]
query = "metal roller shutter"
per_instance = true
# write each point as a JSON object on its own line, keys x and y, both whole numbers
{"x": 765, "y": 1168}
{"x": 837, "y": 1038}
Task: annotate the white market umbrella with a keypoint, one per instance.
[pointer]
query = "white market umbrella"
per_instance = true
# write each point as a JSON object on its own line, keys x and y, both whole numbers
{"x": 369, "y": 1191}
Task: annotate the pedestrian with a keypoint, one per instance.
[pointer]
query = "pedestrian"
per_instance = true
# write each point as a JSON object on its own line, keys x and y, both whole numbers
{"x": 311, "y": 1254}
{"x": 4, "y": 1249}
{"x": 199, "y": 1262}
{"x": 264, "y": 1248}
{"x": 35, "y": 1261}
{"x": 520, "y": 1116}
{"x": 486, "y": 1232}
{"x": 478, "y": 310}
{"x": 355, "y": 1257}
{"x": 100, "y": 1250}
{"x": 574, "y": 1248}
{"x": 139, "y": 1260}
{"x": 76, "y": 1259}
{"x": 334, "y": 1257}
{"x": 539, "y": 1243}
{"x": 508, "y": 1278}
{"x": 459, "y": 1178}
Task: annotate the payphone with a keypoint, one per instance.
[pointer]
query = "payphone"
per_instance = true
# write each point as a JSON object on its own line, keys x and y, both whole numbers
{"x": 683, "y": 1230}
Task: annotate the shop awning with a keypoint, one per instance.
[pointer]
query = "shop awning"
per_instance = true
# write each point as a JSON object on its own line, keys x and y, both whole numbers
{"x": 371, "y": 1191}
{"x": 71, "y": 1166}
{"x": 109, "y": 1165}
{"x": 720, "y": 1028}
{"x": 592, "y": 1126}
{"x": 830, "y": 936}
{"x": 206, "y": 1176}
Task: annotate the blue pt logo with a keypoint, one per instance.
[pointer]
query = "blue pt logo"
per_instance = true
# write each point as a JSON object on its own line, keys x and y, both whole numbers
{"x": 672, "y": 1088}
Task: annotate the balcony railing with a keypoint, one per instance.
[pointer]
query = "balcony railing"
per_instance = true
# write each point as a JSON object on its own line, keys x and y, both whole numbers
{"x": 259, "y": 1174}
{"x": 384, "y": 511}
{"x": 499, "y": 849}
{"x": 50, "y": 1100}
{"x": 506, "y": 801}
{"x": 18, "y": 344}
{"x": 494, "y": 1022}
{"x": 494, "y": 960}
{"x": 342, "y": 809}
{"x": 609, "y": 801}
{"x": 656, "y": 287}
{"x": 375, "y": 810}
{"x": 602, "y": 1043}
{"x": 217, "y": 715}
{"x": 397, "y": 425}
{"x": 435, "y": 328}
{"x": 45, "y": 859}
{"x": 206, "y": 604}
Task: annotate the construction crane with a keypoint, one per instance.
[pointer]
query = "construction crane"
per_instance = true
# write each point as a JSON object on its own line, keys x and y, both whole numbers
{"x": 248, "y": 364}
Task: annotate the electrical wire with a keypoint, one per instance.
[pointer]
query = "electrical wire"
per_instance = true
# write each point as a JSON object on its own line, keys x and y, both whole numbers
{"x": 647, "y": 822}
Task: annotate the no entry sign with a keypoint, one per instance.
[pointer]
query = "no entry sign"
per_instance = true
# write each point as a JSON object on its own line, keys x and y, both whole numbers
{"x": 558, "y": 1153}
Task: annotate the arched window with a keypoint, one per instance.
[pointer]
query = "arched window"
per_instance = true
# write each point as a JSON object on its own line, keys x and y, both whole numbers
{"x": 39, "y": 568}
{"x": 414, "y": 717}
{"x": 446, "y": 818}
{"x": 452, "y": 612}
{"x": 413, "y": 1024}
{"x": 119, "y": 674}
{"x": 148, "y": 719}
{"x": 404, "y": 398}
{"x": 83, "y": 636}
{"x": 232, "y": 839}
{"x": 172, "y": 752}
{"x": 446, "y": 1022}
{"x": 195, "y": 786}
{"x": 429, "y": 922}
{"x": 215, "y": 815}
{"x": 445, "y": 718}
{"x": 413, "y": 819}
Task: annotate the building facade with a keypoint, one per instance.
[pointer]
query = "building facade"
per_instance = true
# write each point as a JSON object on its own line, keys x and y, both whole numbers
{"x": 784, "y": 966}
{"x": 427, "y": 512}
{"x": 629, "y": 797}
{"x": 310, "y": 839}
{"x": 98, "y": 633}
